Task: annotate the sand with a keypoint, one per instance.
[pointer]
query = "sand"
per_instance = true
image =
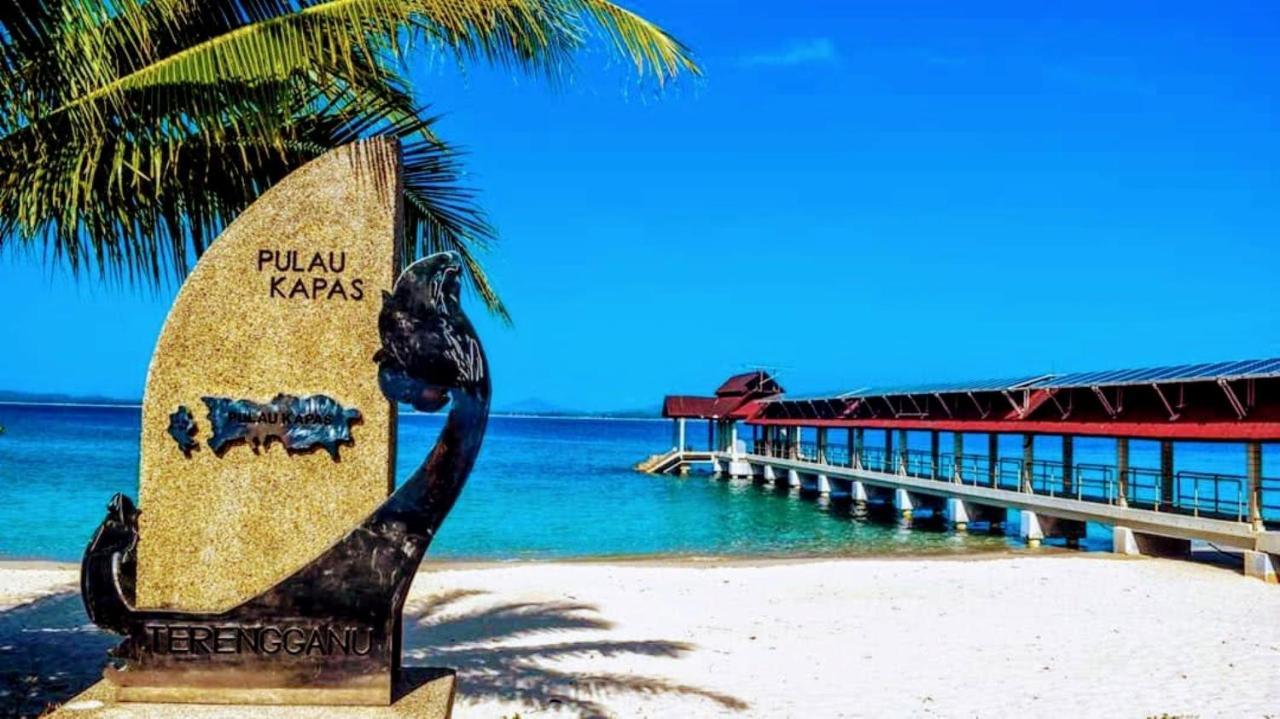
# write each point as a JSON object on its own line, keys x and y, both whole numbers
{"x": 1024, "y": 635}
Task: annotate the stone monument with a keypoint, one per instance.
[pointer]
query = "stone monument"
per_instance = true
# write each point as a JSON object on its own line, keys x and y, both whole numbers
{"x": 267, "y": 561}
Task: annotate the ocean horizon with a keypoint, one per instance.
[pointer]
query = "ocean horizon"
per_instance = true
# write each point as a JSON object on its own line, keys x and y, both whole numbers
{"x": 543, "y": 488}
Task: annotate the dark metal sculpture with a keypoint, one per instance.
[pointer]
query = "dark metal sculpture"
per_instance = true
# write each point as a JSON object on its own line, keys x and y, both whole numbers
{"x": 336, "y": 621}
{"x": 182, "y": 427}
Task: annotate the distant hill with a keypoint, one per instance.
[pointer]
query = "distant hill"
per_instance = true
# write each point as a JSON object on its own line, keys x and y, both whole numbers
{"x": 544, "y": 408}
{"x": 531, "y": 406}
{"x": 7, "y": 395}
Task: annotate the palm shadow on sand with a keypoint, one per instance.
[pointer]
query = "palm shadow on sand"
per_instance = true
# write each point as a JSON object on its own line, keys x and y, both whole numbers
{"x": 466, "y": 642}
{"x": 49, "y": 652}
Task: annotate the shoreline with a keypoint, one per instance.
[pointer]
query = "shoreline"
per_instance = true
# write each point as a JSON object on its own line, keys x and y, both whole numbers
{"x": 680, "y": 560}
{"x": 1058, "y": 633}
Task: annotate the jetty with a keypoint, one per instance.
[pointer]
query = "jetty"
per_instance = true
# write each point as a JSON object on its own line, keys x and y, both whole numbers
{"x": 911, "y": 450}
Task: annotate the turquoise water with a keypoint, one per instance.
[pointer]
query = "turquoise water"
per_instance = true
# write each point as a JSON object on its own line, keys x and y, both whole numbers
{"x": 543, "y": 488}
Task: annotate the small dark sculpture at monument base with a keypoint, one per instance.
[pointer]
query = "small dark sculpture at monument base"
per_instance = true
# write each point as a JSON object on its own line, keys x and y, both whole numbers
{"x": 335, "y": 624}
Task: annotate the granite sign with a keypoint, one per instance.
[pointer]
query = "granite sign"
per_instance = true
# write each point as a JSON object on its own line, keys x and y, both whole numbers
{"x": 265, "y": 574}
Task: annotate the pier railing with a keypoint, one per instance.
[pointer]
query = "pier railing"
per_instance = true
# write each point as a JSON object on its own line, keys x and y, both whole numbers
{"x": 1200, "y": 494}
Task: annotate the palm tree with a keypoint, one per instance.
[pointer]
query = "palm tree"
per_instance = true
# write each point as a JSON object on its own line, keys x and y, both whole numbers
{"x": 133, "y": 131}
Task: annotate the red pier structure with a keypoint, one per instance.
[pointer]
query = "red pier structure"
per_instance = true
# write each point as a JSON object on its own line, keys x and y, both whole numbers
{"x": 827, "y": 436}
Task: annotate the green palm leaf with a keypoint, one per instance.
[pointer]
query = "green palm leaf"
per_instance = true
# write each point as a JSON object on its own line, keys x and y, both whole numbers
{"x": 131, "y": 132}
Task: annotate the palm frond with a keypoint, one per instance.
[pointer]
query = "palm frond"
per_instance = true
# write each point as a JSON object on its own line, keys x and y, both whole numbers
{"x": 133, "y": 131}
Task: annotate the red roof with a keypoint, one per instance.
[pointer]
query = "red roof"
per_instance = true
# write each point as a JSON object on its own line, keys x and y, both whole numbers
{"x": 737, "y": 398}
{"x": 756, "y": 382}
{"x": 686, "y": 406}
{"x": 748, "y": 410}
{"x": 705, "y": 407}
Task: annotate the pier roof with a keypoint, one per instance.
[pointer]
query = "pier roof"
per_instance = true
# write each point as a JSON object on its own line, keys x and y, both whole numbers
{"x": 1212, "y": 401}
{"x": 738, "y": 397}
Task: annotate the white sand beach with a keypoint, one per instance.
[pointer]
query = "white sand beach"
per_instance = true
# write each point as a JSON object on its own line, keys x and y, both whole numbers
{"x": 1022, "y": 635}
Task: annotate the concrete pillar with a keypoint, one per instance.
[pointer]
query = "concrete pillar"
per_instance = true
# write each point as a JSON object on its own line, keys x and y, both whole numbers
{"x": 888, "y": 451}
{"x": 1253, "y": 464}
{"x": 933, "y": 453}
{"x": 993, "y": 459}
{"x": 901, "y": 462}
{"x": 681, "y": 444}
{"x": 824, "y": 484}
{"x": 957, "y": 454}
{"x": 902, "y": 503}
{"x": 1127, "y": 541}
{"x": 768, "y": 474}
{"x": 1036, "y": 528}
{"x": 1166, "y": 472}
{"x": 1068, "y": 464}
{"x": 793, "y": 478}
{"x": 962, "y": 513}
{"x": 1122, "y": 472}
{"x": 1028, "y": 456}
{"x": 1261, "y": 565}
{"x": 858, "y": 491}
{"x": 958, "y": 514}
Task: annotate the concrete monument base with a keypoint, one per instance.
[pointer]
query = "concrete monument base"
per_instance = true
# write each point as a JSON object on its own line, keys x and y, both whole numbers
{"x": 423, "y": 693}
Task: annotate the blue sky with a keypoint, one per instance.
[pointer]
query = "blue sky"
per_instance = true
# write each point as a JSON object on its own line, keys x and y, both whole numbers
{"x": 855, "y": 193}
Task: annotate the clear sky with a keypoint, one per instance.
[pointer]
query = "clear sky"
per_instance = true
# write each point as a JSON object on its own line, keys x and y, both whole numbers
{"x": 856, "y": 193}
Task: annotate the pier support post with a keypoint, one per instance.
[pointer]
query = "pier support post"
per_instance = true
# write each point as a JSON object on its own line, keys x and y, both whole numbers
{"x": 961, "y": 514}
{"x": 902, "y": 502}
{"x": 858, "y": 493}
{"x": 901, "y": 460}
{"x": 1253, "y": 461}
{"x": 793, "y": 478}
{"x": 958, "y": 514}
{"x": 888, "y": 451}
{"x": 993, "y": 459}
{"x": 1028, "y": 456}
{"x": 1035, "y": 528}
{"x": 1166, "y": 473}
{"x": 768, "y": 475}
{"x": 824, "y": 484}
{"x": 1261, "y": 565}
{"x": 1126, "y": 541}
{"x": 933, "y": 453}
{"x": 1068, "y": 464}
{"x": 1122, "y": 472}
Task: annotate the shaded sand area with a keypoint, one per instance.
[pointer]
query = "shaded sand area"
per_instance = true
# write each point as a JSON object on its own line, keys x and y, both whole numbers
{"x": 1061, "y": 635}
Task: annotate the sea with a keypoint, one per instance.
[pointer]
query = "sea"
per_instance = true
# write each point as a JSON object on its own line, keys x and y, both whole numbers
{"x": 543, "y": 488}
